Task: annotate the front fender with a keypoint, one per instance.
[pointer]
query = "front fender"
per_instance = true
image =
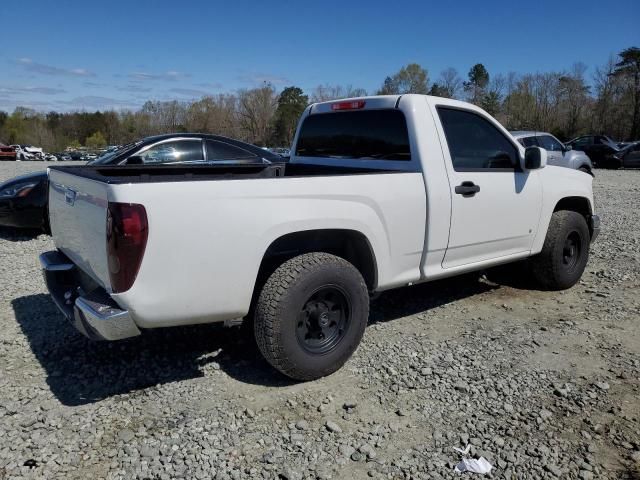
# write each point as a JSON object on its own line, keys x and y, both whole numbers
{"x": 559, "y": 183}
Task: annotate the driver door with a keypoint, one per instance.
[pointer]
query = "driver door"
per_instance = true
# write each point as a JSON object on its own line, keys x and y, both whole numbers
{"x": 495, "y": 206}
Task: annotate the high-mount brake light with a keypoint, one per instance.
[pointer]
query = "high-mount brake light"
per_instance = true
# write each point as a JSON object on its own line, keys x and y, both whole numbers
{"x": 352, "y": 105}
{"x": 127, "y": 233}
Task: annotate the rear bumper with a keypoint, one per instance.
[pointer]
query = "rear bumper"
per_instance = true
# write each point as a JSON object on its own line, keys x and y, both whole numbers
{"x": 95, "y": 314}
{"x": 594, "y": 227}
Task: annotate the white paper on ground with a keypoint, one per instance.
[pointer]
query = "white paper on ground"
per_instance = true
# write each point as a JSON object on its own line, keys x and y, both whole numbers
{"x": 481, "y": 465}
{"x": 463, "y": 452}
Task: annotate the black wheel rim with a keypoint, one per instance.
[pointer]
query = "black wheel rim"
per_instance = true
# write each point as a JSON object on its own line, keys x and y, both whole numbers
{"x": 571, "y": 250}
{"x": 324, "y": 319}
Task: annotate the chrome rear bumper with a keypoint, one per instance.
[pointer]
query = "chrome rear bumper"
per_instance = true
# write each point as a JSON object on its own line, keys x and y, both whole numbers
{"x": 95, "y": 314}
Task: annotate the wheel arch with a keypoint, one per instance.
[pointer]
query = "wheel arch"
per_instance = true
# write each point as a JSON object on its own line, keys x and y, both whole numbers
{"x": 351, "y": 245}
{"x": 577, "y": 204}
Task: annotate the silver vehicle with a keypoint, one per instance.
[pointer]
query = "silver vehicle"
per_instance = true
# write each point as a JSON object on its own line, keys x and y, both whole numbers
{"x": 557, "y": 153}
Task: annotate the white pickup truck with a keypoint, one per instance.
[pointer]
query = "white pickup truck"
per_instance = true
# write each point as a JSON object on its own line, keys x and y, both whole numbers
{"x": 380, "y": 192}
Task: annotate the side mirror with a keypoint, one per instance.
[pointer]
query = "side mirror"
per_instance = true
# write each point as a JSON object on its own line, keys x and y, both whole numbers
{"x": 567, "y": 148}
{"x": 134, "y": 160}
{"x": 534, "y": 158}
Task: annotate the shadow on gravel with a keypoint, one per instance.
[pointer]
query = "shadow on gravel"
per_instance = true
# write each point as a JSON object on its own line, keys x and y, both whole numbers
{"x": 514, "y": 275}
{"x": 419, "y": 298}
{"x": 81, "y": 372}
{"x": 19, "y": 234}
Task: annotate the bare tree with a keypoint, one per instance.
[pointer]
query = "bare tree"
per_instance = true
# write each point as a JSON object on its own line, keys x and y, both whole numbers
{"x": 257, "y": 108}
{"x": 326, "y": 92}
{"x": 450, "y": 83}
{"x": 574, "y": 96}
{"x": 214, "y": 114}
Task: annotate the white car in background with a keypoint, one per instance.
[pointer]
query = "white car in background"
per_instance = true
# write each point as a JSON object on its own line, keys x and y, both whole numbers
{"x": 28, "y": 152}
{"x": 558, "y": 153}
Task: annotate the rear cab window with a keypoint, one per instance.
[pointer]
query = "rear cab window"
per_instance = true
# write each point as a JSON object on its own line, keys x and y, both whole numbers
{"x": 363, "y": 135}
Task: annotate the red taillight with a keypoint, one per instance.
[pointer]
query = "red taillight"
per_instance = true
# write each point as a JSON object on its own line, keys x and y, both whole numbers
{"x": 352, "y": 105}
{"x": 127, "y": 232}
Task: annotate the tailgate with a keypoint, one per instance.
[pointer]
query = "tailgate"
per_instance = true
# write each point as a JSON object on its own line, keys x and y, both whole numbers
{"x": 78, "y": 217}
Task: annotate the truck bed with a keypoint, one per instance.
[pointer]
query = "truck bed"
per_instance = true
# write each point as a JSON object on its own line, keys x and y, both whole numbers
{"x": 187, "y": 173}
{"x": 207, "y": 238}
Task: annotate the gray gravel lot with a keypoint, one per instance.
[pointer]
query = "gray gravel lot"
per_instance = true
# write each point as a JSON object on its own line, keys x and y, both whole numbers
{"x": 542, "y": 384}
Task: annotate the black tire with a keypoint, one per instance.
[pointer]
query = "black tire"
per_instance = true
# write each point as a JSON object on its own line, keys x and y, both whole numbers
{"x": 311, "y": 315}
{"x": 565, "y": 252}
{"x": 585, "y": 169}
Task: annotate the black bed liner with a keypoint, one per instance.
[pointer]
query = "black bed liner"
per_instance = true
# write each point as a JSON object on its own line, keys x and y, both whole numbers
{"x": 185, "y": 173}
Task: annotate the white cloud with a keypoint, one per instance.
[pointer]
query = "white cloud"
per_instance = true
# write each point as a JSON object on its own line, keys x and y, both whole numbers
{"x": 170, "y": 76}
{"x": 35, "y": 67}
{"x": 8, "y": 91}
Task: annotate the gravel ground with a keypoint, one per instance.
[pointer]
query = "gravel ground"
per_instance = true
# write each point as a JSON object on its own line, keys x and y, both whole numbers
{"x": 543, "y": 385}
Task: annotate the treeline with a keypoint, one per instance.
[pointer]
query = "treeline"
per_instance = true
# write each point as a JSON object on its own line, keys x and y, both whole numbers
{"x": 565, "y": 103}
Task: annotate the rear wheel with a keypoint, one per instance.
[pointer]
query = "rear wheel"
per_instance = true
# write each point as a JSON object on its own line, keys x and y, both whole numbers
{"x": 564, "y": 255}
{"x": 311, "y": 315}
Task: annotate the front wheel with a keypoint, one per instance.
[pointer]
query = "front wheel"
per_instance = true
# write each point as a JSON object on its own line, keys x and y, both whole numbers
{"x": 565, "y": 252}
{"x": 311, "y": 315}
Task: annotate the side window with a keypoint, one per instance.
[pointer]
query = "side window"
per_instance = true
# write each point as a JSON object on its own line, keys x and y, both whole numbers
{"x": 583, "y": 141}
{"x": 220, "y": 151}
{"x": 475, "y": 143}
{"x": 549, "y": 143}
{"x": 602, "y": 140}
{"x": 173, "y": 152}
{"x": 529, "y": 142}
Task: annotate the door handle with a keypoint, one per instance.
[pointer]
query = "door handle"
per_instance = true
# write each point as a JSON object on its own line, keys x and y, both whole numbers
{"x": 467, "y": 189}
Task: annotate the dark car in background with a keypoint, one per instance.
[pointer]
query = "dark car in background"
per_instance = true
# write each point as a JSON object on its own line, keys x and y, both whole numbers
{"x": 628, "y": 156}
{"x": 599, "y": 148}
{"x": 23, "y": 200}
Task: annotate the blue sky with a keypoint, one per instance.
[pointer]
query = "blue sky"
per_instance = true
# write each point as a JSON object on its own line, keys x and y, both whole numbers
{"x": 68, "y": 55}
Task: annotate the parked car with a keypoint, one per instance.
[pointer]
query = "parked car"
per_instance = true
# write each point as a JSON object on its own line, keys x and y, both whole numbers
{"x": 75, "y": 155}
{"x": 283, "y": 152}
{"x": 22, "y": 153}
{"x": 62, "y": 157}
{"x": 557, "y": 153}
{"x": 597, "y": 147}
{"x": 627, "y": 157}
{"x": 7, "y": 152}
{"x": 23, "y": 200}
{"x": 28, "y": 152}
{"x": 380, "y": 192}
